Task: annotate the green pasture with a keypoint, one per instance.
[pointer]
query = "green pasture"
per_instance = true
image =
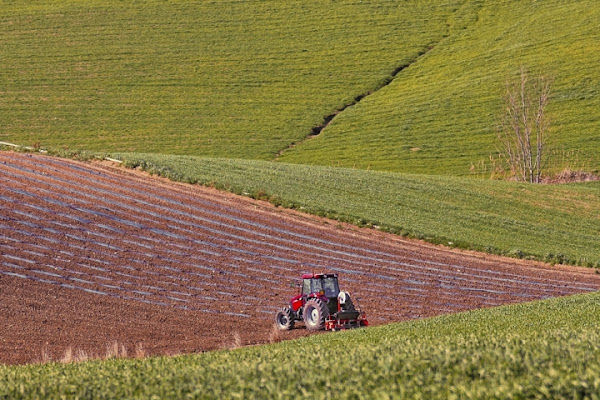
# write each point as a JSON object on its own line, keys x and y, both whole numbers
{"x": 543, "y": 350}
{"x": 239, "y": 79}
{"x": 555, "y": 223}
{"x": 233, "y": 79}
{"x": 439, "y": 115}
{"x": 251, "y": 79}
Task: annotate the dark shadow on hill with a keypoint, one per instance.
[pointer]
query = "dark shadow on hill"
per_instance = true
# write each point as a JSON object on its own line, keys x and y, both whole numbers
{"x": 316, "y": 130}
{"x": 327, "y": 120}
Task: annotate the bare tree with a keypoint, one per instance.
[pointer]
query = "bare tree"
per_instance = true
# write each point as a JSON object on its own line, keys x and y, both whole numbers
{"x": 524, "y": 126}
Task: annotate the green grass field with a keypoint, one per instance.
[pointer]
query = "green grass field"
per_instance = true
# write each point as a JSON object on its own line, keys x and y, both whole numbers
{"x": 439, "y": 115}
{"x": 546, "y": 349}
{"x": 234, "y": 79}
{"x": 248, "y": 79}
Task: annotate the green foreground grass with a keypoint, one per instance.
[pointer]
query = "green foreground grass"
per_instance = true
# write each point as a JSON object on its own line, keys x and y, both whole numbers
{"x": 554, "y": 223}
{"x": 544, "y": 350}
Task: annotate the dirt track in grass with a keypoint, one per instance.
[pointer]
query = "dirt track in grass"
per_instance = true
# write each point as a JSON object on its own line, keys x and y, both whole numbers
{"x": 93, "y": 254}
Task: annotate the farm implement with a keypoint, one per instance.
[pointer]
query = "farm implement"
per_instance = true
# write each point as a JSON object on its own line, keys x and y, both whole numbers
{"x": 321, "y": 305}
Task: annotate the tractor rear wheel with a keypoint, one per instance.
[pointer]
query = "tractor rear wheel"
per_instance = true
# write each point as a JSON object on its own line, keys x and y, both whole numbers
{"x": 285, "y": 319}
{"x": 315, "y": 314}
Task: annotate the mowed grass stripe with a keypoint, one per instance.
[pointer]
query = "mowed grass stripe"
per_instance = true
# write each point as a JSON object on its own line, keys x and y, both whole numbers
{"x": 556, "y": 223}
{"x": 221, "y": 78}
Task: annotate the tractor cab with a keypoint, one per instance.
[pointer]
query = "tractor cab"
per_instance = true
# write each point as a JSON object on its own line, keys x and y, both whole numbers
{"x": 320, "y": 285}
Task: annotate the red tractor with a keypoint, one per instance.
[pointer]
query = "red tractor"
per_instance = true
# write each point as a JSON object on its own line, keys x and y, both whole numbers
{"x": 321, "y": 305}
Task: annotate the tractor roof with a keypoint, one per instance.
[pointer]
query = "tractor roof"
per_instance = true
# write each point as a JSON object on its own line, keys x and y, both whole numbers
{"x": 318, "y": 276}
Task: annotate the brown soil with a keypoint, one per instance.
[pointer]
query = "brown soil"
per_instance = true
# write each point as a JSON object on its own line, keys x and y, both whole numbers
{"x": 570, "y": 176}
{"x": 93, "y": 254}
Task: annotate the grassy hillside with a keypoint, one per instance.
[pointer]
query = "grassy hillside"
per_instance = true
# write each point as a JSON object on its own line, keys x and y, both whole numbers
{"x": 540, "y": 350}
{"x": 235, "y": 79}
{"x": 557, "y": 223}
{"x": 438, "y": 116}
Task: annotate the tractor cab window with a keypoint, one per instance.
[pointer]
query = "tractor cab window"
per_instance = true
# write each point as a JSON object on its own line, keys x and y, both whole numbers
{"x": 306, "y": 287}
{"x": 317, "y": 286}
{"x": 328, "y": 285}
{"x": 331, "y": 288}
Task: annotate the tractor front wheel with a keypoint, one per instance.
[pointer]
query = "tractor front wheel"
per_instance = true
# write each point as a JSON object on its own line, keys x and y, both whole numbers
{"x": 315, "y": 314}
{"x": 285, "y": 319}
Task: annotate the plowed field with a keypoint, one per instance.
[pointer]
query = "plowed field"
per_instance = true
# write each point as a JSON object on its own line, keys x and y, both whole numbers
{"x": 94, "y": 254}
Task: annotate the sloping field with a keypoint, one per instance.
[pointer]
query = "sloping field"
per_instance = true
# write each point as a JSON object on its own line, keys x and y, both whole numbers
{"x": 553, "y": 223}
{"x": 439, "y": 115}
{"x": 239, "y": 79}
{"x": 89, "y": 255}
